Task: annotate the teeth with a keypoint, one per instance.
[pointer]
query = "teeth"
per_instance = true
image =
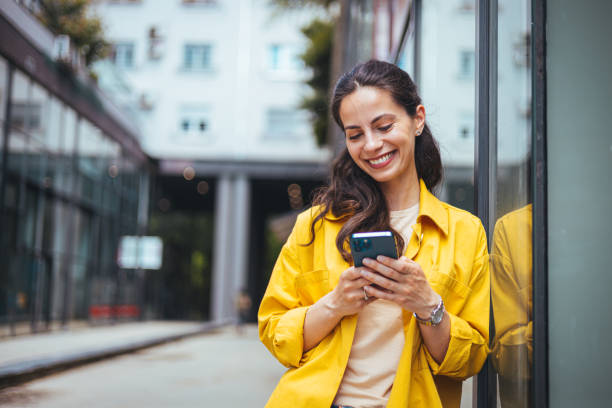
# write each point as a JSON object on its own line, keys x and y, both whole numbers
{"x": 381, "y": 159}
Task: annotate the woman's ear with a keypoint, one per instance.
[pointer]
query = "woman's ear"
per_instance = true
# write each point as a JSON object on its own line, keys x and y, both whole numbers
{"x": 420, "y": 119}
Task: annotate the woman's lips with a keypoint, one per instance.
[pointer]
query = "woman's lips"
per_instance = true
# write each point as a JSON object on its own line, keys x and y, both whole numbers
{"x": 381, "y": 161}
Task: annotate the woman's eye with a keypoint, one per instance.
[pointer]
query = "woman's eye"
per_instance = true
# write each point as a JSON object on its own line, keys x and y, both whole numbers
{"x": 385, "y": 128}
{"x": 354, "y": 136}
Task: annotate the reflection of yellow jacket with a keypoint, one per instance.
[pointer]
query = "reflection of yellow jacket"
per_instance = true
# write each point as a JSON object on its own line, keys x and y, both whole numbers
{"x": 452, "y": 250}
{"x": 511, "y": 294}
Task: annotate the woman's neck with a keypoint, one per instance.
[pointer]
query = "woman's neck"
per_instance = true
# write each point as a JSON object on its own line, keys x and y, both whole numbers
{"x": 401, "y": 193}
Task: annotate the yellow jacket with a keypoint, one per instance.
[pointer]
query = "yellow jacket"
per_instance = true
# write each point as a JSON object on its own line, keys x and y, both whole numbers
{"x": 512, "y": 305}
{"x": 451, "y": 247}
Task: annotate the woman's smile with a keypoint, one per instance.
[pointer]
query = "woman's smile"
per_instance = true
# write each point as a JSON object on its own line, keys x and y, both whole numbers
{"x": 382, "y": 160}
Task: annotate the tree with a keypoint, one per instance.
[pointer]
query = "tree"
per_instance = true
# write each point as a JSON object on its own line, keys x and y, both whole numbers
{"x": 70, "y": 17}
{"x": 317, "y": 57}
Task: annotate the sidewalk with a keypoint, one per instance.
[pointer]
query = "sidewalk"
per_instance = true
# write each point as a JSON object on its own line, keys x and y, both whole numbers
{"x": 26, "y": 357}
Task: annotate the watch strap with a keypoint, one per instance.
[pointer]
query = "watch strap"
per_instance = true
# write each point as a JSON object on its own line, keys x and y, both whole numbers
{"x": 437, "y": 312}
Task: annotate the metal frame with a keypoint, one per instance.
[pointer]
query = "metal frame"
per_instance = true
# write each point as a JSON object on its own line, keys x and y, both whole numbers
{"x": 540, "y": 373}
{"x": 485, "y": 155}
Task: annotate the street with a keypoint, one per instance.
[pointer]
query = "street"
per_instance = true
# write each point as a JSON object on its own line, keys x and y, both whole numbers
{"x": 219, "y": 369}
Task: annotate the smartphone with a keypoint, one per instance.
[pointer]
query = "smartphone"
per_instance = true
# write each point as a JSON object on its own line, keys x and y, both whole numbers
{"x": 372, "y": 244}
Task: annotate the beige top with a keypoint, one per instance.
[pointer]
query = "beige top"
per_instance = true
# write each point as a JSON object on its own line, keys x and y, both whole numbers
{"x": 378, "y": 342}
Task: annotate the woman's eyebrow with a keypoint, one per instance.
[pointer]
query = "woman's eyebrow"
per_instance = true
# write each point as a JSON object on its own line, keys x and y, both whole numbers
{"x": 379, "y": 117}
{"x": 376, "y": 119}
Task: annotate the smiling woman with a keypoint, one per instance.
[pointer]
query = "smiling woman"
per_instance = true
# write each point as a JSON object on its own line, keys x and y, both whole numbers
{"x": 394, "y": 332}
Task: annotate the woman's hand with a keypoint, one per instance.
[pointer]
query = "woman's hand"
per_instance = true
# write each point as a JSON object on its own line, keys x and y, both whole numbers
{"x": 348, "y": 297}
{"x": 401, "y": 281}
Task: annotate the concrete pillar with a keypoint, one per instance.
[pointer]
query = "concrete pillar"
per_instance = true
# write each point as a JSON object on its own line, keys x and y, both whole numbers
{"x": 221, "y": 249}
{"x": 230, "y": 251}
{"x": 240, "y": 235}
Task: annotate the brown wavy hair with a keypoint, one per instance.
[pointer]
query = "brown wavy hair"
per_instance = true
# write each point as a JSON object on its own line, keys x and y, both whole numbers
{"x": 352, "y": 195}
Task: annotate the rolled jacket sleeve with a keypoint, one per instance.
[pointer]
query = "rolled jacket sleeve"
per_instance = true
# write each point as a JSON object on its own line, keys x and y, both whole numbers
{"x": 469, "y": 328}
{"x": 281, "y": 316}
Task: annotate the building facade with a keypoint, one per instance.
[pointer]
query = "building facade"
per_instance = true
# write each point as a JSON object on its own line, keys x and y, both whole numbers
{"x": 73, "y": 178}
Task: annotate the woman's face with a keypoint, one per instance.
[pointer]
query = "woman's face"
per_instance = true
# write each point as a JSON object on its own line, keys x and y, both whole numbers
{"x": 380, "y": 134}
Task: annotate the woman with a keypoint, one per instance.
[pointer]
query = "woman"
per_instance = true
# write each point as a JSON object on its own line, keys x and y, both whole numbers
{"x": 410, "y": 339}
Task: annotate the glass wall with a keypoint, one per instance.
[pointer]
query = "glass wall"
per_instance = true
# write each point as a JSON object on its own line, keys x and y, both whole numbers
{"x": 578, "y": 66}
{"x": 446, "y": 83}
{"x": 444, "y": 45}
{"x": 70, "y": 191}
{"x": 510, "y": 193}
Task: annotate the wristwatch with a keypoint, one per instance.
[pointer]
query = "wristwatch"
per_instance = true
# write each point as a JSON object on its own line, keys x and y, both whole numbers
{"x": 436, "y": 315}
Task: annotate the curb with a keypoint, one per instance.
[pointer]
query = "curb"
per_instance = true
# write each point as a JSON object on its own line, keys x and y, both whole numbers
{"x": 19, "y": 373}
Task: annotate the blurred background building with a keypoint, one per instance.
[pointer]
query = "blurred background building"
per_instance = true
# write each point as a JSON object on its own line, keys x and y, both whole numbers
{"x": 73, "y": 180}
{"x": 218, "y": 85}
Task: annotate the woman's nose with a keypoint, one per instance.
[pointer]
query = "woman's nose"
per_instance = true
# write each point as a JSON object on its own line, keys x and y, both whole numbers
{"x": 372, "y": 142}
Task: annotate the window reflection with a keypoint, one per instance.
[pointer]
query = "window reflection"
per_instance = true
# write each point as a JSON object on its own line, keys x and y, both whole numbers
{"x": 447, "y": 85}
{"x": 3, "y": 98}
{"x": 511, "y": 249}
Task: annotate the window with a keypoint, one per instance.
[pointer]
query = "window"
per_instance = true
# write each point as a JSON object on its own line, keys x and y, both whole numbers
{"x": 26, "y": 116}
{"x": 466, "y": 126}
{"x": 197, "y": 57}
{"x": 284, "y": 57}
{"x": 466, "y": 64}
{"x": 285, "y": 124}
{"x": 123, "y": 54}
{"x": 194, "y": 121}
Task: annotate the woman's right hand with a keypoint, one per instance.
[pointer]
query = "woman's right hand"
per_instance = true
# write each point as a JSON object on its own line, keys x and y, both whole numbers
{"x": 348, "y": 297}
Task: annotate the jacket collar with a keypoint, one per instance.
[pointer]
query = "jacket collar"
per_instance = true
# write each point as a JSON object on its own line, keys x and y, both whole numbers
{"x": 432, "y": 208}
{"x": 429, "y": 206}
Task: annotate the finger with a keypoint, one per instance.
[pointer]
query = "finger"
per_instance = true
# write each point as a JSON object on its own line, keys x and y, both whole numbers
{"x": 402, "y": 265}
{"x": 370, "y": 299}
{"x": 380, "y": 280}
{"x": 379, "y": 294}
{"x": 384, "y": 270}
{"x": 360, "y": 283}
{"x": 350, "y": 274}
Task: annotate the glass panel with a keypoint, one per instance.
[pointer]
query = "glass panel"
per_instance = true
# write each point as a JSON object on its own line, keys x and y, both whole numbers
{"x": 90, "y": 146}
{"x": 447, "y": 87}
{"x": 20, "y": 121}
{"x": 64, "y": 173}
{"x": 579, "y": 156}
{"x": 511, "y": 248}
{"x": 3, "y": 89}
{"x": 39, "y": 113}
{"x": 3, "y": 99}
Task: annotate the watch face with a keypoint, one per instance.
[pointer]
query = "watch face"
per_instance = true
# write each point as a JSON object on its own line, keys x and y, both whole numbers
{"x": 437, "y": 316}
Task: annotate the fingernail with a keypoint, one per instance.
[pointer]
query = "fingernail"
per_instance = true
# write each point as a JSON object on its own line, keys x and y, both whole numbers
{"x": 380, "y": 258}
{"x": 366, "y": 260}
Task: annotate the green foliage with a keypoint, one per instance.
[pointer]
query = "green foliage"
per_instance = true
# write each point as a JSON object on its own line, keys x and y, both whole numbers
{"x": 70, "y": 17}
{"x": 186, "y": 273}
{"x": 317, "y": 57}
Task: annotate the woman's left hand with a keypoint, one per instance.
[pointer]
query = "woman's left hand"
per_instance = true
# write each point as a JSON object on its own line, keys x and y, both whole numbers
{"x": 401, "y": 281}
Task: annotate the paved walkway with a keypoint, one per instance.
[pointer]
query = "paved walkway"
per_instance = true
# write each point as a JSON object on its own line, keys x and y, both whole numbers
{"x": 26, "y": 357}
{"x": 218, "y": 369}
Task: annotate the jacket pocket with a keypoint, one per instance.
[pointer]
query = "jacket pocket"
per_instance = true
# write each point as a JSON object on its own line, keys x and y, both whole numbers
{"x": 312, "y": 286}
{"x": 452, "y": 291}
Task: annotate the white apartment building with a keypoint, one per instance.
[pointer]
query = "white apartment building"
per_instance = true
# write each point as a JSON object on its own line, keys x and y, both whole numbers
{"x": 216, "y": 79}
{"x": 218, "y": 84}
